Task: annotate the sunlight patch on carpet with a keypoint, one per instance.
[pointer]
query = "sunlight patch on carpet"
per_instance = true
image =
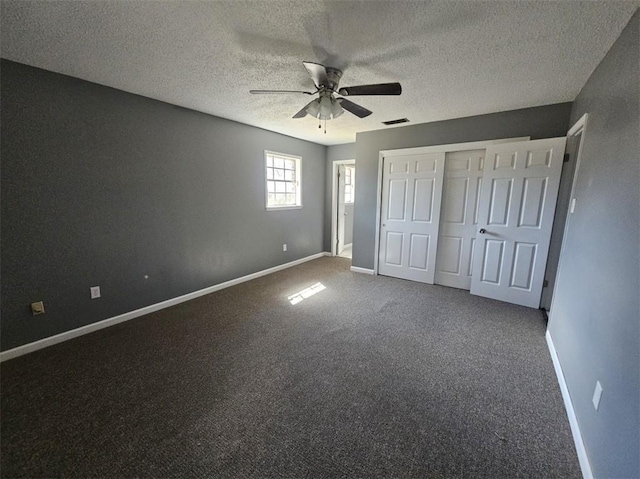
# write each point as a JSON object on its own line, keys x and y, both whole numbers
{"x": 306, "y": 293}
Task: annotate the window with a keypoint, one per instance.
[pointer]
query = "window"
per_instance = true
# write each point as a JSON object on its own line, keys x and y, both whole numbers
{"x": 283, "y": 181}
{"x": 349, "y": 184}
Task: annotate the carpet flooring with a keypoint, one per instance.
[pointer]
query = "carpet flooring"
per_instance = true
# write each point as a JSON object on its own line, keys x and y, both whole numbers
{"x": 369, "y": 377}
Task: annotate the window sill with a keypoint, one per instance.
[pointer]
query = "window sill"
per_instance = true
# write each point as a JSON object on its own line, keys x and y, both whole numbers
{"x": 278, "y": 208}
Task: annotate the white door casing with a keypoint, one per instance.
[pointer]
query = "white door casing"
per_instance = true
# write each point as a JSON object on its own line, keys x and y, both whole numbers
{"x": 459, "y": 217}
{"x": 341, "y": 210}
{"x": 410, "y": 215}
{"x": 517, "y": 205}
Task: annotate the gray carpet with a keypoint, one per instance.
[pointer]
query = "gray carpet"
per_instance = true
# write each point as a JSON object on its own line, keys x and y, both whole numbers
{"x": 371, "y": 377}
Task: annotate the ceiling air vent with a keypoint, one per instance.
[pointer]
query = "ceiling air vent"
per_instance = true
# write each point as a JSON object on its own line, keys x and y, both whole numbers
{"x": 395, "y": 122}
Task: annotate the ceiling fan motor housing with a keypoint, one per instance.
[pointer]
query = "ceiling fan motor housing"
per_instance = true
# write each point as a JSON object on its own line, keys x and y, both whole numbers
{"x": 333, "y": 78}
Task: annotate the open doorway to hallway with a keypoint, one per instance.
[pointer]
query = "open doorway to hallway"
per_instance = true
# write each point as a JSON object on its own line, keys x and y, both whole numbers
{"x": 343, "y": 203}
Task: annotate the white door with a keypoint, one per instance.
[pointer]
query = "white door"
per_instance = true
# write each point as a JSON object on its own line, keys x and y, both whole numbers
{"x": 517, "y": 205}
{"x": 410, "y": 215}
{"x": 341, "y": 210}
{"x": 459, "y": 217}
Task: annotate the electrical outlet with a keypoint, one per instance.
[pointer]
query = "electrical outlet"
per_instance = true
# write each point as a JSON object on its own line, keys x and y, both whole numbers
{"x": 95, "y": 292}
{"x": 37, "y": 308}
{"x": 284, "y": 247}
{"x": 597, "y": 394}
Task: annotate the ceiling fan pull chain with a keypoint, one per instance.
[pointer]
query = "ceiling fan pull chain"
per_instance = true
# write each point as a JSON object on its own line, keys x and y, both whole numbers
{"x": 325, "y": 126}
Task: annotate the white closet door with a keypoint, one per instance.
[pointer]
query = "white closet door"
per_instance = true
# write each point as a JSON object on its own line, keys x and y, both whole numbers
{"x": 459, "y": 217}
{"x": 410, "y": 215}
{"x": 517, "y": 206}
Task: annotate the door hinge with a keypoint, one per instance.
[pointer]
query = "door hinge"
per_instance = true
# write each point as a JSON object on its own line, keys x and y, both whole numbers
{"x": 545, "y": 284}
{"x": 566, "y": 158}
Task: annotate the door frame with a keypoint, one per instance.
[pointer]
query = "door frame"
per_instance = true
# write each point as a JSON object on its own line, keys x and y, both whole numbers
{"x": 334, "y": 200}
{"x": 473, "y": 145}
{"x": 579, "y": 128}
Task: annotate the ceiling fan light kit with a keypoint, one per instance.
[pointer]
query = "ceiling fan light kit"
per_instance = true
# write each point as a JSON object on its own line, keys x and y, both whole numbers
{"x": 327, "y": 106}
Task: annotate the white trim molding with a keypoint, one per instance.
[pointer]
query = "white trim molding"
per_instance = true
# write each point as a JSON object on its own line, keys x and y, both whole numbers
{"x": 579, "y": 125}
{"x": 105, "y": 323}
{"x": 356, "y": 269}
{"x": 583, "y": 459}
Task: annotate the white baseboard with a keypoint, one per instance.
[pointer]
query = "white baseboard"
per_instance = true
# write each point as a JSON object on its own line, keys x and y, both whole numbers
{"x": 583, "y": 459}
{"x": 357, "y": 269}
{"x": 105, "y": 323}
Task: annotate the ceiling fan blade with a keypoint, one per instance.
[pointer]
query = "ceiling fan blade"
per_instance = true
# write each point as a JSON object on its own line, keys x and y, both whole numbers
{"x": 302, "y": 113}
{"x": 357, "y": 110}
{"x": 266, "y": 92}
{"x": 318, "y": 74}
{"x": 378, "y": 89}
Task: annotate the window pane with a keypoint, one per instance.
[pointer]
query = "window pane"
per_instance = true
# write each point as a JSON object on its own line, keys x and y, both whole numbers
{"x": 281, "y": 180}
{"x": 348, "y": 194}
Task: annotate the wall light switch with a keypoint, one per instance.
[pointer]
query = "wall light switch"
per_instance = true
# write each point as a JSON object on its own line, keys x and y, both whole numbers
{"x": 37, "y": 308}
{"x": 95, "y": 292}
{"x": 284, "y": 247}
{"x": 597, "y": 394}
{"x": 573, "y": 205}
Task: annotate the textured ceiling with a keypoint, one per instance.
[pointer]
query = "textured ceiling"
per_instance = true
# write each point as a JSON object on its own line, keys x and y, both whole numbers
{"x": 453, "y": 59}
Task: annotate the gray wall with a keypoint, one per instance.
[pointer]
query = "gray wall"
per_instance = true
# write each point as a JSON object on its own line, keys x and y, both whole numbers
{"x": 346, "y": 151}
{"x": 101, "y": 187}
{"x": 541, "y": 122}
{"x": 595, "y": 317}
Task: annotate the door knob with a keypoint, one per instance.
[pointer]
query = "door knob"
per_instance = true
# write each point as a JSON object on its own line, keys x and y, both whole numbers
{"x": 482, "y": 231}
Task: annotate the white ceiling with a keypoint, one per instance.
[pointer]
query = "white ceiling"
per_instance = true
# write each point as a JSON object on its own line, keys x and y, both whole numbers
{"x": 453, "y": 58}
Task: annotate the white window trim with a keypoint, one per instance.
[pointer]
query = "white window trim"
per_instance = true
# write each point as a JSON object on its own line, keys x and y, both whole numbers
{"x": 298, "y": 160}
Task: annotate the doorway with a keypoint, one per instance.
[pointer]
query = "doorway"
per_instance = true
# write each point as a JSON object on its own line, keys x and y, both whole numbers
{"x": 342, "y": 209}
{"x": 565, "y": 208}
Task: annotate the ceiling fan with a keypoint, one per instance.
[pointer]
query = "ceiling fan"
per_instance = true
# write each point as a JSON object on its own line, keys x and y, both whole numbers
{"x": 327, "y": 106}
